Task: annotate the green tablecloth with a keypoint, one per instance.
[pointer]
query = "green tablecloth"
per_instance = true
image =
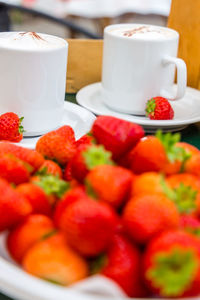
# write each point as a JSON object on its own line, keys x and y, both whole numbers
{"x": 191, "y": 135}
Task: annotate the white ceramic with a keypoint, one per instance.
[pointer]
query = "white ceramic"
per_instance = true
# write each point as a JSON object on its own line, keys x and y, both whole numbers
{"x": 79, "y": 118}
{"x": 139, "y": 66}
{"x": 33, "y": 77}
{"x": 187, "y": 110}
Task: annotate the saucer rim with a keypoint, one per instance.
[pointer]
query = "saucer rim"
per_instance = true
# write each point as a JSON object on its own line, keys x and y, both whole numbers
{"x": 90, "y": 89}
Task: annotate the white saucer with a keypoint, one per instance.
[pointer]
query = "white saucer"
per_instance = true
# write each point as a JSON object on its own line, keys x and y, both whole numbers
{"x": 187, "y": 109}
{"x": 79, "y": 118}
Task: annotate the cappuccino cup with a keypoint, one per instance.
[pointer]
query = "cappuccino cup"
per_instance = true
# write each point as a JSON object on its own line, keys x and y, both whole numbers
{"x": 139, "y": 63}
{"x": 33, "y": 78}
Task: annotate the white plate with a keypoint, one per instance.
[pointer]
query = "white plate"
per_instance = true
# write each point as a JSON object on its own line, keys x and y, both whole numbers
{"x": 75, "y": 116}
{"x": 186, "y": 110}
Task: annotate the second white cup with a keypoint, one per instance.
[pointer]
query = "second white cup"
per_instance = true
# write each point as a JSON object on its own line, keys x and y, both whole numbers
{"x": 139, "y": 63}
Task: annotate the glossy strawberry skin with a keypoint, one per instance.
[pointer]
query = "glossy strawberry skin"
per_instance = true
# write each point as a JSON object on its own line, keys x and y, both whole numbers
{"x": 36, "y": 197}
{"x": 159, "y": 108}
{"x": 13, "y": 169}
{"x": 10, "y": 127}
{"x": 58, "y": 145}
{"x": 13, "y": 207}
{"x": 50, "y": 167}
{"x": 111, "y": 184}
{"x": 29, "y": 156}
{"x": 53, "y": 260}
{"x": 164, "y": 244}
{"x": 88, "y": 226}
{"x": 148, "y": 215}
{"x": 148, "y": 156}
{"x": 31, "y": 230}
{"x": 118, "y": 136}
{"x": 123, "y": 264}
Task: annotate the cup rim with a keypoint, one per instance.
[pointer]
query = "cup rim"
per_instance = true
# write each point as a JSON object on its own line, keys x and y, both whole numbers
{"x": 64, "y": 45}
{"x": 107, "y": 28}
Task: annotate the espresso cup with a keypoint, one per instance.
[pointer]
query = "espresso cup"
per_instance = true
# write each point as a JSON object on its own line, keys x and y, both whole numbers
{"x": 139, "y": 63}
{"x": 33, "y": 78}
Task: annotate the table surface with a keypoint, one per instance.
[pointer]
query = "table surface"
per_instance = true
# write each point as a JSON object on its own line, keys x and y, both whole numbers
{"x": 191, "y": 135}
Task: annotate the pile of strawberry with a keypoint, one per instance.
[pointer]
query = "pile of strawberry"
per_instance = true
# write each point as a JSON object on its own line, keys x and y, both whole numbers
{"x": 113, "y": 202}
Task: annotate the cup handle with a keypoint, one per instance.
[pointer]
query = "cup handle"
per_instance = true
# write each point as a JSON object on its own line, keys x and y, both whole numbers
{"x": 181, "y": 78}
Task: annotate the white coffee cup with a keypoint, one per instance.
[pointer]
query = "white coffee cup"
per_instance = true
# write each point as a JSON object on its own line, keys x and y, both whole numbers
{"x": 32, "y": 79}
{"x": 139, "y": 63}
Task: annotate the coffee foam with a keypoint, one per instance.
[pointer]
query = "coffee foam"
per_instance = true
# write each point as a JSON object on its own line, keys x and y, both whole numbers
{"x": 142, "y": 32}
{"x": 30, "y": 41}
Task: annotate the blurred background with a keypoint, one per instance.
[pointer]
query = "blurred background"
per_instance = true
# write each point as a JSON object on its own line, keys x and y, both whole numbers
{"x": 67, "y": 18}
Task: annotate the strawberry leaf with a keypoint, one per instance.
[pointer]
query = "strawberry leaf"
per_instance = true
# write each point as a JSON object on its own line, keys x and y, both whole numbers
{"x": 173, "y": 272}
{"x": 97, "y": 155}
{"x": 21, "y": 128}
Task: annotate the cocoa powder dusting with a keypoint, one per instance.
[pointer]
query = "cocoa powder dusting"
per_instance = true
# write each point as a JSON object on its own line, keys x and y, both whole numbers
{"x": 33, "y": 34}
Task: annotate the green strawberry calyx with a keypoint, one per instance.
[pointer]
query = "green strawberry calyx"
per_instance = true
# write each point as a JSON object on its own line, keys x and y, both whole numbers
{"x": 173, "y": 271}
{"x": 21, "y": 128}
{"x": 150, "y": 108}
{"x": 183, "y": 196}
{"x": 97, "y": 155}
{"x": 97, "y": 264}
{"x": 174, "y": 153}
{"x": 53, "y": 185}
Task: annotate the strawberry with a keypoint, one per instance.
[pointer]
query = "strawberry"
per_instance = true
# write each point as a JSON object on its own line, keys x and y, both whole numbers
{"x": 32, "y": 229}
{"x": 88, "y": 225}
{"x": 172, "y": 265}
{"x": 86, "y": 158}
{"x": 58, "y": 145}
{"x": 53, "y": 260}
{"x": 185, "y": 192}
{"x": 13, "y": 169}
{"x": 71, "y": 196}
{"x": 156, "y": 153}
{"x": 159, "y": 108}
{"x": 111, "y": 184}
{"x": 29, "y": 156}
{"x": 36, "y": 197}
{"x": 190, "y": 224}
{"x": 147, "y": 215}
{"x": 52, "y": 186}
{"x": 13, "y": 207}
{"x": 50, "y": 167}
{"x": 147, "y": 183}
{"x": 121, "y": 263}
{"x": 10, "y": 127}
{"x": 86, "y": 139}
{"x": 118, "y": 136}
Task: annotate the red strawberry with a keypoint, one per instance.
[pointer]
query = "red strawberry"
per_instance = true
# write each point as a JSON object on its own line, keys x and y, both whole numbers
{"x": 86, "y": 158}
{"x": 172, "y": 265}
{"x": 53, "y": 260}
{"x": 86, "y": 139}
{"x": 50, "y": 167}
{"x": 10, "y": 127}
{"x": 13, "y": 169}
{"x": 190, "y": 224}
{"x": 29, "y": 156}
{"x": 88, "y": 226}
{"x": 118, "y": 136}
{"x": 36, "y": 197}
{"x": 147, "y": 215}
{"x": 13, "y": 207}
{"x": 58, "y": 145}
{"x": 159, "y": 108}
{"x": 71, "y": 196}
{"x": 155, "y": 153}
{"x": 32, "y": 229}
{"x": 52, "y": 186}
{"x": 121, "y": 263}
{"x": 111, "y": 184}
